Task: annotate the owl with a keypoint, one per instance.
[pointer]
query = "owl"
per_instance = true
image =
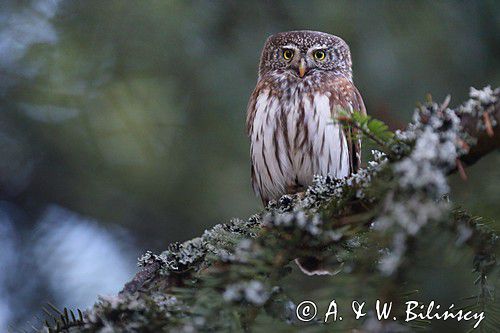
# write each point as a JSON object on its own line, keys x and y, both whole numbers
{"x": 305, "y": 78}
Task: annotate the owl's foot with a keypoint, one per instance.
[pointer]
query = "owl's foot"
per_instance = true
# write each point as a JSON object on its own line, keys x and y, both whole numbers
{"x": 301, "y": 195}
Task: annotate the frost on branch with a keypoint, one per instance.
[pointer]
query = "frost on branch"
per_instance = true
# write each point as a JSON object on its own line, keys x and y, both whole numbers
{"x": 362, "y": 227}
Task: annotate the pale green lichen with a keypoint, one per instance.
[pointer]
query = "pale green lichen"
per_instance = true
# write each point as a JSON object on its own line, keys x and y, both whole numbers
{"x": 253, "y": 292}
{"x": 250, "y": 254}
{"x": 435, "y": 135}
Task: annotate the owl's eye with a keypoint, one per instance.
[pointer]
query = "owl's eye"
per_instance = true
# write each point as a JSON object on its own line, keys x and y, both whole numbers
{"x": 287, "y": 54}
{"x": 319, "y": 55}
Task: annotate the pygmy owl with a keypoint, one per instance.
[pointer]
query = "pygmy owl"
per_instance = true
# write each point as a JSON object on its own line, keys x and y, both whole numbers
{"x": 305, "y": 78}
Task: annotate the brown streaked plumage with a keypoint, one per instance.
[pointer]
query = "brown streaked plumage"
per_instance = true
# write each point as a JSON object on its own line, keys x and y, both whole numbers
{"x": 305, "y": 77}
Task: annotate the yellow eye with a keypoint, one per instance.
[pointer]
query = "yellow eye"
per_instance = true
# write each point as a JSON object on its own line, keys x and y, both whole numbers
{"x": 287, "y": 54}
{"x": 319, "y": 55}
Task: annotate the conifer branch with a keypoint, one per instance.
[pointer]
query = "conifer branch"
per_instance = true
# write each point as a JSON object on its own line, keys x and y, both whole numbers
{"x": 369, "y": 222}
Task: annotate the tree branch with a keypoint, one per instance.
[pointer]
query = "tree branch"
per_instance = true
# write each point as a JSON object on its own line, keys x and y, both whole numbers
{"x": 476, "y": 127}
{"x": 471, "y": 122}
{"x": 235, "y": 268}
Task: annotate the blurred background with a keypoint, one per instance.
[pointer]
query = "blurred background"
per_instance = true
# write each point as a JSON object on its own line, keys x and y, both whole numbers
{"x": 122, "y": 122}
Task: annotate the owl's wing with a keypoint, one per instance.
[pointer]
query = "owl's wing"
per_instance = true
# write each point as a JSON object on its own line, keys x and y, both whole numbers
{"x": 347, "y": 96}
{"x": 251, "y": 107}
{"x": 251, "y": 113}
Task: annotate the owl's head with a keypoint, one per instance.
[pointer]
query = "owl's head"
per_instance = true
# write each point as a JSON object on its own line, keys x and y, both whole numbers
{"x": 303, "y": 53}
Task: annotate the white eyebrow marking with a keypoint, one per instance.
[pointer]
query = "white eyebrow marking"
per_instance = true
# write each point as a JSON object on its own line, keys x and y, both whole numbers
{"x": 319, "y": 47}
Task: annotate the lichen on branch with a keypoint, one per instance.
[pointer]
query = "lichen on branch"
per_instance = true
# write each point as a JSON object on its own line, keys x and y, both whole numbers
{"x": 363, "y": 224}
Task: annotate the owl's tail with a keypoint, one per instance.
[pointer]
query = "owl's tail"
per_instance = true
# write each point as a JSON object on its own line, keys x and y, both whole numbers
{"x": 313, "y": 266}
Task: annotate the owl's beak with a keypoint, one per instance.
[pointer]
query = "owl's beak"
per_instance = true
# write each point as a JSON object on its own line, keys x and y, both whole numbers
{"x": 302, "y": 67}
